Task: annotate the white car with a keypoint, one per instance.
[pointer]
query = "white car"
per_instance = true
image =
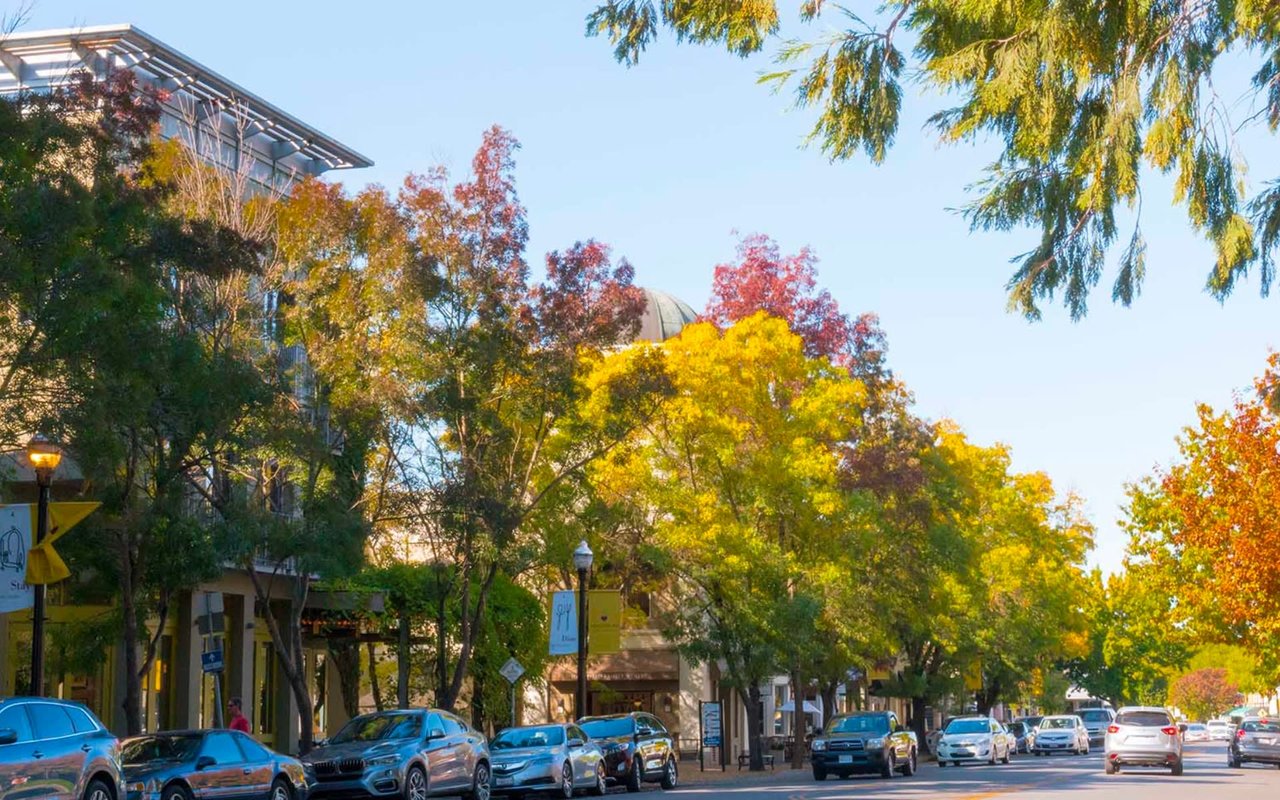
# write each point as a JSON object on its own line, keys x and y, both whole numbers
{"x": 1061, "y": 733}
{"x": 1144, "y": 736}
{"x": 1219, "y": 730}
{"x": 974, "y": 739}
{"x": 1196, "y": 732}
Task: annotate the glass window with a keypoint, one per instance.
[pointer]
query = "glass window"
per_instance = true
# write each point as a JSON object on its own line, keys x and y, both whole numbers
{"x": 655, "y": 724}
{"x": 14, "y": 718}
{"x": 1144, "y": 719}
{"x": 222, "y": 748}
{"x": 1261, "y": 726}
{"x": 251, "y": 749}
{"x": 967, "y": 726}
{"x": 384, "y": 726}
{"x": 608, "y": 727}
{"x": 1095, "y": 715}
{"x": 434, "y": 723}
{"x": 50, "y": 721}
{"x": 451, "y": 725}
{"x": 161, "y": 747}
{"x": 577, "y": 733}
{"x": 81, "y": 721}
{"x": 539, "y": 736}
{"x": 860, "y": 723}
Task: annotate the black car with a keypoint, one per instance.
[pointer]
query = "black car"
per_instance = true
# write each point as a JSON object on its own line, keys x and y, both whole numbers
{"x": 181, "y": 765}
{"x": 56, "y": 748}
{"x": 868, "y": 741}
{"x": 637, "y": 749}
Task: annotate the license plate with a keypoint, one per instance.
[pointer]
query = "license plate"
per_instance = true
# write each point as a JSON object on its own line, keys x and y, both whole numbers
{"x": 504, "y": 781}
{"x": 846, "y": 759}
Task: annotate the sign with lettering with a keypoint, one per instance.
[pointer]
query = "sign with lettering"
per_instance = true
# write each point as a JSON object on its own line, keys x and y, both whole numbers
{"x": 712, "y": 735}
{"x": 15, "y": 546}
{"x": 604, "y": 624}
{"x": 564, "y": 623}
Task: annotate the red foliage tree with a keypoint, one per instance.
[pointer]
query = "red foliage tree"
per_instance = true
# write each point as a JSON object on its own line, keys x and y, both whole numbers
{"x": 1203, "y": 693}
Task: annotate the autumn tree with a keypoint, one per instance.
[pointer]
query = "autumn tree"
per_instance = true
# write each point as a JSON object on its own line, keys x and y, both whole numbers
{"x": 1083, "y": 97}
{"x": 1203, "y": 693}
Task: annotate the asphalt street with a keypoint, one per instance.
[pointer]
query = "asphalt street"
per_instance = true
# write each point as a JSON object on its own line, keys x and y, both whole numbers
{"x": 1206, "y": 777}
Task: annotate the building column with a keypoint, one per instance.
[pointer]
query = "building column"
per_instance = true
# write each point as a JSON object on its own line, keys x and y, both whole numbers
{"x": 695, "y": 686}
{"x": 239, "y": 655}
{"x": 187, "y": 676}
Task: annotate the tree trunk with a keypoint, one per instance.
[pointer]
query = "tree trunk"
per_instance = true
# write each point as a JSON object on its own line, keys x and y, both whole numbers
{"x": 755, "y": 721}
{"x": 798, "y": 728}
{"x": 288, "y": 647}
{"x": 829, "y": 700}
{"x": 374, "y": 685}
{"x": 917, "y": 722}
{"x": 128, "y": 607}
{"x": 345, "y": 654}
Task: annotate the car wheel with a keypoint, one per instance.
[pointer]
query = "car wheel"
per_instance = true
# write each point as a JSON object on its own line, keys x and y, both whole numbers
{"x": 909, "y": 768}
{"x": 955, "y": 763}
{"x": 1109, "y": 767}
{"x": 281, "y": 790}
{"x": 480, "y": 782}
{"x": 1005, "y": 760}
{"x": 1233, "y": 762}
{"x": 634, "y": 777}
{"x": 941, "y": 763}
{"x": 886, "y": 771}
{"x": 415, "y": 784}
{"x": 601, "y": 786}
{"x": 670, "y": 775}
{"x": 819, "y": 774}
{"x": 173, "y": 791}
{"x": 566, "y": 780}
{"x": 1176, "y": 769}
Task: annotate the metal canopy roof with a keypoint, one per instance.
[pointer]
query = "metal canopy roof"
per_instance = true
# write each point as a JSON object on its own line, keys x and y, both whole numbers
{"x": 41, "y": 59}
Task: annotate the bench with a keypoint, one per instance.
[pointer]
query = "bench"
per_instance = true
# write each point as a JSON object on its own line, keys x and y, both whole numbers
{"x": 744, "y": 760}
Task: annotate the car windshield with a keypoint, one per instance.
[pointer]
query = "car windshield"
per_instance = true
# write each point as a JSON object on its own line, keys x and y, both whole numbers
{"x": 871, "y": 723}
{"x": 1144, "y": 719}
{"x": 160, "y": 748}
{"x": 541, "y": 736}
{"x": 1095, "y": 715}
{"x": 607, "y": 728}
{"x": 1017, "y": 728}
{"x": 1262, "y": 725}
{"x": 1032, "y": 721}
{"x": 1196, "y": 727}
{"x": 1049, "y": 723}
{"x": 378, "y": 727}
{"x": 969, "y": 726}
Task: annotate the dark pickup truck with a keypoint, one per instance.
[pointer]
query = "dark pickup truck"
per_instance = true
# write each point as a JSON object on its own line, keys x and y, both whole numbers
{"x": 868, "y": 741}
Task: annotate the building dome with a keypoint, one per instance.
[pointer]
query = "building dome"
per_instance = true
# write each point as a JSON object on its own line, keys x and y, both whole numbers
{"x": 664, "y": 316}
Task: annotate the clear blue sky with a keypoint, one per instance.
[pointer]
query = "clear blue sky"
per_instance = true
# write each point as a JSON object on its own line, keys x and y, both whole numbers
{"x": 665, "y": 161}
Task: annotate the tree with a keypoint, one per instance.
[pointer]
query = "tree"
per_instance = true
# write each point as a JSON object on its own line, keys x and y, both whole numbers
{"x": 1082, "y": 96}
{"x": 1203, "y": 693}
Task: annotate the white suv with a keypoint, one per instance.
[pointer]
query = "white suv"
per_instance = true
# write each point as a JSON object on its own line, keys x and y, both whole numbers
{"x": 1143, "y": 736}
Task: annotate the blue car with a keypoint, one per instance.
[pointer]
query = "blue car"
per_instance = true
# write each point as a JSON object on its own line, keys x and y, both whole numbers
{"x": 189, "y": 765}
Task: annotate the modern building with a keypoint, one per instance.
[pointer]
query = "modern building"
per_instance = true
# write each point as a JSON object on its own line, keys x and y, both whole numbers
{"x": 223, "y": 122}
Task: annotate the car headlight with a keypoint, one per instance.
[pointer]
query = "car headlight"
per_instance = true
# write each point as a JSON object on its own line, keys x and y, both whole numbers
{"x": 819, "y": 744}
{"x": 140, "y": 787}
{"x": 875, "y": 743}
{"x": 514, "y": 766}
{"x": 388, "y": 760}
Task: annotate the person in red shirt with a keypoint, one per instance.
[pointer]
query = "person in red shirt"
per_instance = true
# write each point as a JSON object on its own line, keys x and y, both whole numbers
{"x": 238, "y": 721}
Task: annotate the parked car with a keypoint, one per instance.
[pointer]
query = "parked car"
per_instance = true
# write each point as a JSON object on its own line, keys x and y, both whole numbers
{"x": 1021, "y": 736}
{"x": 1096, "y": 722}
{"x": 1219, "y": 730}
{"x": 182, "y": 764}
{"x": 637, "y": 749}
{"x": 1195, "y": 732}
{"x": 1031, "y": 724}
{"x": 412, "y": 753}
{"x": 56, "y": 748}
{"x": 558, "y": 758}
{"x": 974, "y": 739}
{"x": 1258, "y": 740}
{"x": 868, "y": 741}
{"x": 1143, "y": 736}
{"x": 1061, "y": 733}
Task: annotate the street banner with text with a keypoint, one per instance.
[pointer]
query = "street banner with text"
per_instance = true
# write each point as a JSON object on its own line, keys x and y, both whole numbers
{"x": 604, "y": 627}
{"x": 564, "y": 623}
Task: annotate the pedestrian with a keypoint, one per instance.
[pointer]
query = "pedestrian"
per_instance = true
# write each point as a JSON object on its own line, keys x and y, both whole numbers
{"x": 238, "y": 721}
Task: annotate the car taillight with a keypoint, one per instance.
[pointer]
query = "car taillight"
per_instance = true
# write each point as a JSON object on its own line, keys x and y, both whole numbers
{"x": 1240, "y": 733}
{"x": 1170, "y": 730}
{"x": 1113, "y": 729}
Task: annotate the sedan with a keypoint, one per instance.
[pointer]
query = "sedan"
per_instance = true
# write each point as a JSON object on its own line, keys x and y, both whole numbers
{"x": 555, "y": 758}
{"x": 1143, "y": 736}
{"x": 1061, "y": 733}
{"x": 1258, "y": 740}
{"x": 179, "y": 764}
{"x": 1219, "y": 730}
{"x": 1196, "y": 732}
{"x": 974, "y": 739}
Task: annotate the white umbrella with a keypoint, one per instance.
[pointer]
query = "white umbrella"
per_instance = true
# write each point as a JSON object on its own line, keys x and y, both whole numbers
{"x": 790, "y": 706}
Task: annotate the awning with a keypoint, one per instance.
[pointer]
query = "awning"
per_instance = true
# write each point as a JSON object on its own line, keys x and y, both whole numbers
{"x": 790, "y": 706}
{"x": 627, "y": 665}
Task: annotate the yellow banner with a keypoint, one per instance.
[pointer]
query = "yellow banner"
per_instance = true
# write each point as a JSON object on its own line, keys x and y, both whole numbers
{"x": 604, "y": 627}
{"x": 44, "y": 565}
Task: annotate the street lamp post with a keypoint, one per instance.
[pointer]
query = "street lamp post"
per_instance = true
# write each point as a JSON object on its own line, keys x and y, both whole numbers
{"x": 44, "y": 456}
{"x": 582, "y": 561}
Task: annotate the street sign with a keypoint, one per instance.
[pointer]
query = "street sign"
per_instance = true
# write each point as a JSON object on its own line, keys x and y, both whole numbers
{"x": 211, "y": 661}
{"x": 604, "y": 625}
{"x": 711, "y": 733}
{"x": 511, "y": 670}
{"x": 212, "y": 619}
{"x": 564, "y": 623}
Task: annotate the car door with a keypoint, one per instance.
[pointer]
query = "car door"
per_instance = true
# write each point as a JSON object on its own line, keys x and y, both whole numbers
{"x": 22, "y": 775}
{"x": 662, "y": 746}
{"x": 225, "y": 778}
{"x": 258, "y": 767}
{"x": 584, "y": 766}
{"x": 58, "y": 749}
{"x": 436, "y": 751}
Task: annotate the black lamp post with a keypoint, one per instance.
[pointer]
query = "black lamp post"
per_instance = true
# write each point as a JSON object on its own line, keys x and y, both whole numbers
{"x": 582, "y": 561}
{"x": 44, "y": 456}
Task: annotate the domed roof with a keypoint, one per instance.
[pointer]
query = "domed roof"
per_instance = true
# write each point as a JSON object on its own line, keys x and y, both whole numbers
{"x": 664, "y": 316}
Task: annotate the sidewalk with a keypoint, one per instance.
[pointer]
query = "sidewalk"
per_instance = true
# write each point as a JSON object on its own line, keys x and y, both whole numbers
{"x": 691, "y": 776}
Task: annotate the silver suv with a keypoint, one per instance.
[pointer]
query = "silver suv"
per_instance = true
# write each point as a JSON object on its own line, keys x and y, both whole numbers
{"x": 1143, "y": 736}
{"x": 56, "y": 746}
{"x": 1096, "y": 721}
{"x": 410, "y": 753}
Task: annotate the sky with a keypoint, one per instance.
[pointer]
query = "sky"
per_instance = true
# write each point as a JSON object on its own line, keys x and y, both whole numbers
{"x": 671, "y": 160}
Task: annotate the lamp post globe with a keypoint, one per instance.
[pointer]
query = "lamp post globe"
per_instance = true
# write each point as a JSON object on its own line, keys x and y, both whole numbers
{"x": 582, "y": 558}
{"x": 44, "y": 455}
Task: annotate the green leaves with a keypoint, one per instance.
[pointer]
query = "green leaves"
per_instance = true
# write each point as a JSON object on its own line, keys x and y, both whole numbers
{"x": 631, "y": 25}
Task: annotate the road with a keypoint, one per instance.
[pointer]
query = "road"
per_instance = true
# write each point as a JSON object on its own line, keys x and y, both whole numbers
{"x": 1206, "y": 777}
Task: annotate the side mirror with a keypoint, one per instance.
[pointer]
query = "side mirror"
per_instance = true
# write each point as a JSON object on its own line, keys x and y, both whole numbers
{"x": 1182, "y": 727}
{"x": 575, "y": 743}
{"x": 8, "y": 736}
{"x": 898, "y": 728}
{"x": 204, "y": 762}
{"x": 644, "y": 731}
{"x": 435, "y": 733}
